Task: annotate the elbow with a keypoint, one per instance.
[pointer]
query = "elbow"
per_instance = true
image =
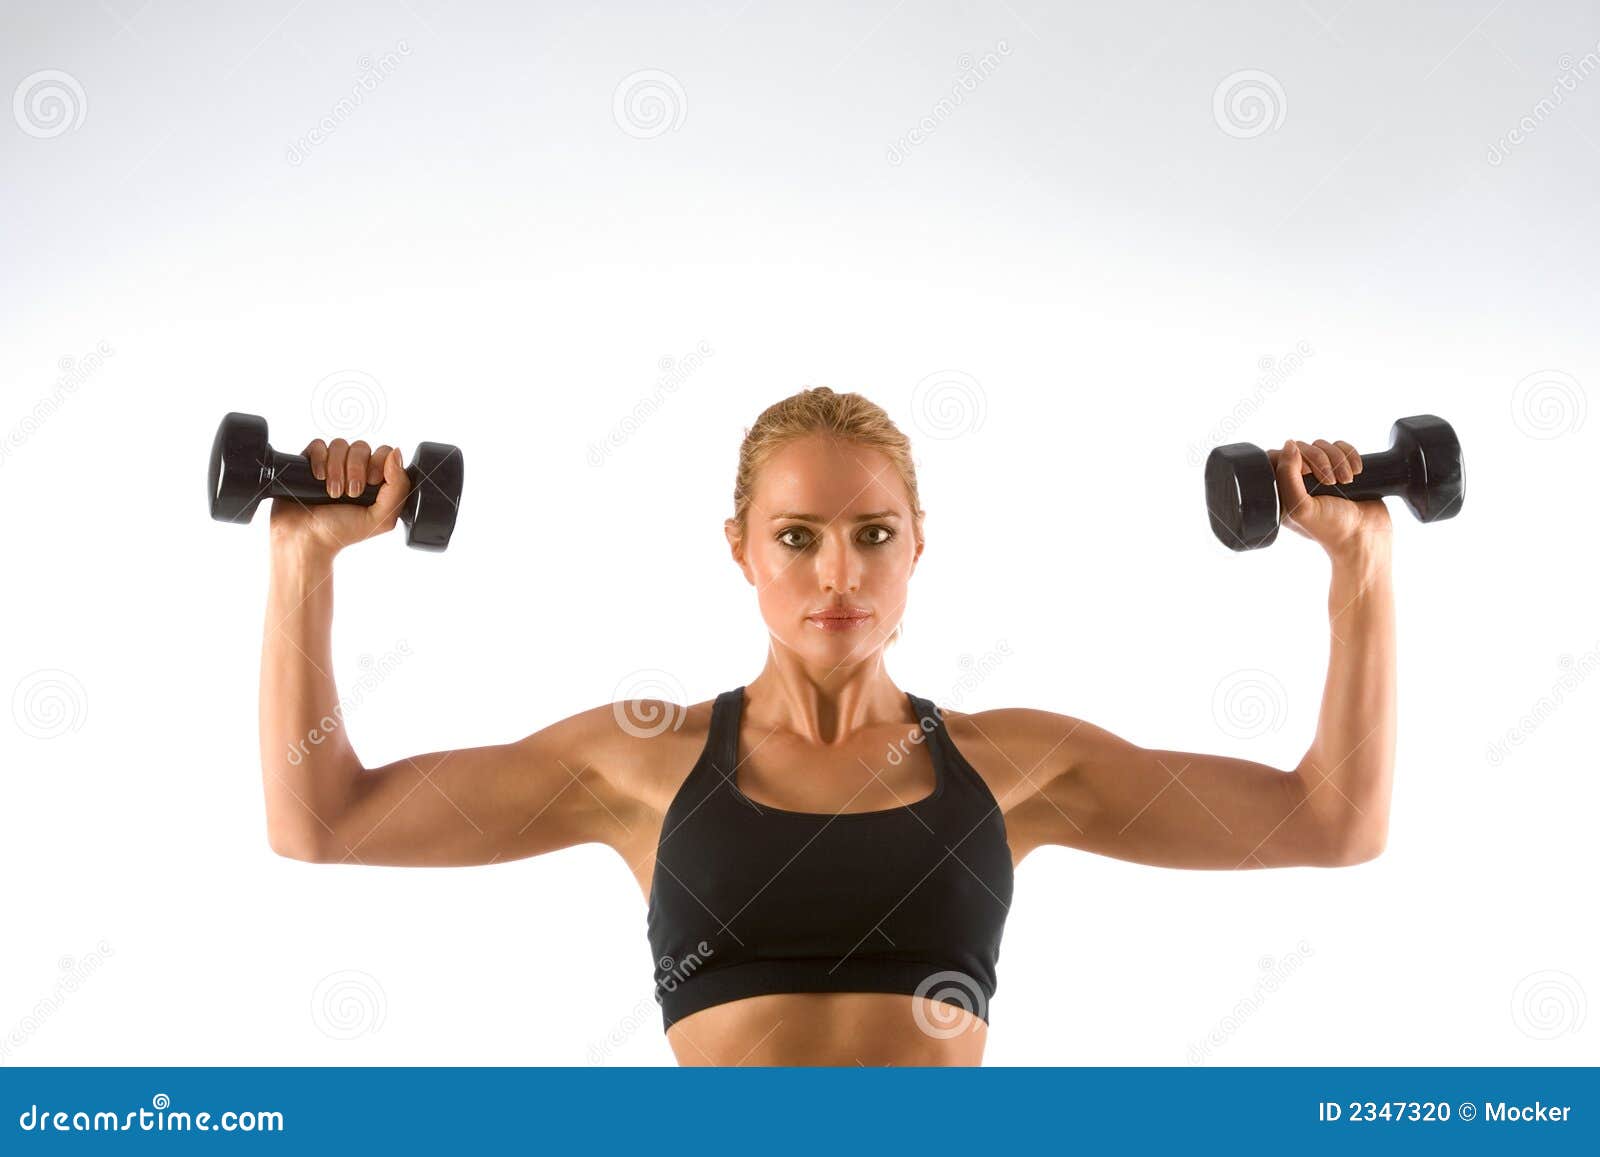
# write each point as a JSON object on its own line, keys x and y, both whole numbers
{"x": 302, "y": 846}
{"x": 1360, "y": 846}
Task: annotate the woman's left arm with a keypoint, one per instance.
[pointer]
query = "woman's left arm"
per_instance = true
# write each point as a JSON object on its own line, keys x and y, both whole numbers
{"x": 1095, "y": 791}
{"x": 1348, "y": 771}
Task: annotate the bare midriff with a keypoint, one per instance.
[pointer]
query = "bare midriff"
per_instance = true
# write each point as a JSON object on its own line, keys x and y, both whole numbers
{"x": 830, "y": 1028}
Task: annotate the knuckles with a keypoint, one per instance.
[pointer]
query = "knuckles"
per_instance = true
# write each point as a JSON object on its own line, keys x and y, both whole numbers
{"x": 345, "y": 456}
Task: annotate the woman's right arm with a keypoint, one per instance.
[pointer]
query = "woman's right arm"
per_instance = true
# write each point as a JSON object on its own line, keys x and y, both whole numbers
{"x": 472, "y": 806}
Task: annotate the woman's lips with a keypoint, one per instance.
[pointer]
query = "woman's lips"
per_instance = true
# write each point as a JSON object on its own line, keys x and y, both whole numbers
{"x": 833, "y": 621}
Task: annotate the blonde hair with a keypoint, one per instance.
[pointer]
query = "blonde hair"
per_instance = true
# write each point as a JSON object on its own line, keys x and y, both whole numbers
{"x": 819, "y": 410}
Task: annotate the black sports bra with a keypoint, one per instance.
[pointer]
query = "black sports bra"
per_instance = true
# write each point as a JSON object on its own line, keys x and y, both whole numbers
{"x": 748, "y": 899}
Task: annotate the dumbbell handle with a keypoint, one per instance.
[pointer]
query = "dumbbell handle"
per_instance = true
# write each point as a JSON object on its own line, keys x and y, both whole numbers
{"x": 290, "y": 476}
{"x": 1382, "y": 473}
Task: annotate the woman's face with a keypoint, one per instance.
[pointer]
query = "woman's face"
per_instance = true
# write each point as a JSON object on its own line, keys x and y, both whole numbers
{"x": 830, "y": 547}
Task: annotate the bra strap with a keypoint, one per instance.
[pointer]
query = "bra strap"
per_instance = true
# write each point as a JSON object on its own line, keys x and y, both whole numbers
{"x": 724, "y": 738}
{"x": 938, "y": 734}
{"x": 928, "y": 710}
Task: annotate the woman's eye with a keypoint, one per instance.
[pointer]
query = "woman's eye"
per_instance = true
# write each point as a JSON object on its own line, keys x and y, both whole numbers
{"x": 877, "y": 536}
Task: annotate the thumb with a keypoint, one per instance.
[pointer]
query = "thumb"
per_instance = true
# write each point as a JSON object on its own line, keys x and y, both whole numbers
{"x": 392, "y": 494}
{"x": 1289, "y": 467}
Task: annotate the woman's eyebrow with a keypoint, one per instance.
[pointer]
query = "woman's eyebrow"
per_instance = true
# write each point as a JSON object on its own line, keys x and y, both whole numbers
{"x": 871, "y": 516}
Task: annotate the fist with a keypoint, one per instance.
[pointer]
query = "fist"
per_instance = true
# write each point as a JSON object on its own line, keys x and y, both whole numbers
{"x": 348, "y": 468}
{"x": 1334, "y": 522}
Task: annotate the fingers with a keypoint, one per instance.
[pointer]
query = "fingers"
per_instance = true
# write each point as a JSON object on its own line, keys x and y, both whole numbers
{"x": 338, "y": 450}
{"x": 1333, "y": 461}
{"x": 363, "y": 467}
{"x": 1318, "y": 462}
{"x": 1336, "y": 461}
{"x": 317, "y": 454}
{"x": 355, "y": 476}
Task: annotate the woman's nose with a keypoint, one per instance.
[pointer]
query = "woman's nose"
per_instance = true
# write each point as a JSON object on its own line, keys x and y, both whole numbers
{"x": 839, "y": 568}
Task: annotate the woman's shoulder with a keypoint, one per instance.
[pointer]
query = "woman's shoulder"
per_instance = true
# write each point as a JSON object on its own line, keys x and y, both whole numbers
{"x": 1013, "y": 724}
{"x": 1017, "y": 750}
{"x": 649, "y": 744}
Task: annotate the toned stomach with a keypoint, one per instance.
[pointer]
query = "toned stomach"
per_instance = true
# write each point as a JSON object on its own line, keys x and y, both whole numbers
{"x": 830, "y": 1028}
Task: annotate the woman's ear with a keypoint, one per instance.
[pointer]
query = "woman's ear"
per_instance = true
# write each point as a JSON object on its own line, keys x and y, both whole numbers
{"x": 730, "y": 530}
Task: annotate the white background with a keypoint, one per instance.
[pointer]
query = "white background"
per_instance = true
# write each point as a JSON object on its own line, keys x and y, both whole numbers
{"x": 1088, "y": 272}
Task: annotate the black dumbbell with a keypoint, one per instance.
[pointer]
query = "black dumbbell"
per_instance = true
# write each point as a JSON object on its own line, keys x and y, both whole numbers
{"x": 244, "y": 470}
{"x": 1422, "y": 465}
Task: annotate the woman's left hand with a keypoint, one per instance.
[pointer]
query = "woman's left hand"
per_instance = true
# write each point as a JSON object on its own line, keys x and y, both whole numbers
{"x": 1336, "y": 523}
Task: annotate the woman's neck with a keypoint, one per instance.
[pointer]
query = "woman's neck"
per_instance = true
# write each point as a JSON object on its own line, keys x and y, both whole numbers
{"x": 824, "y": 705}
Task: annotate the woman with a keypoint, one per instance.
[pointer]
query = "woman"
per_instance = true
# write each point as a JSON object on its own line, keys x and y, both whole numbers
{"x": 827, "y": 861}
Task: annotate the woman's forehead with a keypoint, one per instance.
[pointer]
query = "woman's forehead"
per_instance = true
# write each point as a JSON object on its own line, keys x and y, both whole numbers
{"x": 825, "y": 476}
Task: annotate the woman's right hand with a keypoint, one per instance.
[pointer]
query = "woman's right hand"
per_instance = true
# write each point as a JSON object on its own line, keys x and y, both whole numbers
{"x": 347, "y": 468}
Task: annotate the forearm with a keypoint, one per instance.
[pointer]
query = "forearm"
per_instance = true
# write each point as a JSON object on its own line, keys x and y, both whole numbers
{"x": 1349, "y": 768}
{"x": 308, "y": 766}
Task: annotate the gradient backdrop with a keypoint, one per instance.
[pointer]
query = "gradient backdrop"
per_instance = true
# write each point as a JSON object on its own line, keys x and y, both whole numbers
{"x": 1070, "y": 248}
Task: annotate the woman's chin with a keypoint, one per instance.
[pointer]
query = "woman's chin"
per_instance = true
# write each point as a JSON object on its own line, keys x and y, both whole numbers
{"x": 834, "y": 646}
{"x": 838, "y": 646}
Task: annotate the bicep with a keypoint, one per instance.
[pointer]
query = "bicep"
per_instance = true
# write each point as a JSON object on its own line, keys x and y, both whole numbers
{"x": 1180, "y": 809}
{"x": 482, "y": 805}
